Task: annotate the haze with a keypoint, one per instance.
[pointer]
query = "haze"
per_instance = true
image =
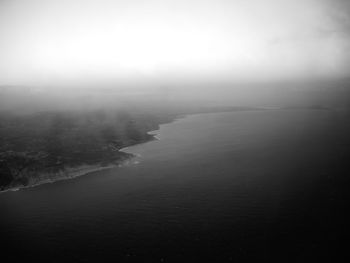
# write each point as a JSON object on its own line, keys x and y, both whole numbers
{"x": 76, "y": 41}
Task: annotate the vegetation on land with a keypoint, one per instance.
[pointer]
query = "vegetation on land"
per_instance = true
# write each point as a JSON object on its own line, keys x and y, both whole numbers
{"x": 48, "y": 145}
{"x": 50, "y": 142}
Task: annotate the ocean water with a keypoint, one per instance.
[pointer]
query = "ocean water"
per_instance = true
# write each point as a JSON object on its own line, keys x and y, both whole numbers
{"x": 224, "y": 187}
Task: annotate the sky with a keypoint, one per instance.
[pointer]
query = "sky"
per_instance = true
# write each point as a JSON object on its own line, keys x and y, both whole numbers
{"x": 139, "y": 41}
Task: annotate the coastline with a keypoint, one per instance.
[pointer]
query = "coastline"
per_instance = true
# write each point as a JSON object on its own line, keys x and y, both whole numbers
{"x": 77, "y": 171}
{"x": 67, "y": 174}
{"x": 81, "y": 170}
{"x": 152, "y": 138}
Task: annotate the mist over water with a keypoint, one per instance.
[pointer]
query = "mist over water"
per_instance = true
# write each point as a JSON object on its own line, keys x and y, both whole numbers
{"x": 81, "y": 54}
{"x": 241, "y": 186}
{"x": 250, "y": 102}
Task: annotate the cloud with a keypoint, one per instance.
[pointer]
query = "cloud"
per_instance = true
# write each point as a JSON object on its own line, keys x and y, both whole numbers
{"x": 339, "y": 12}
{"x": 105, "y": 39}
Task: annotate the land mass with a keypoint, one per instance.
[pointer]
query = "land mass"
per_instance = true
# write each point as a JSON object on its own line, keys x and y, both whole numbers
{"x": 49, "y": 146}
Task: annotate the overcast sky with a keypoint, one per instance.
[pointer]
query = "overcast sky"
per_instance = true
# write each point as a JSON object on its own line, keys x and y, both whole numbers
{"x": 47, "y": 41}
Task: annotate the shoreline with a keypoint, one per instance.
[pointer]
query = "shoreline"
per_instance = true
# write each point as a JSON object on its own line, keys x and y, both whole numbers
{"x": 68, "y": 175}
{"x": 153, "y": 138}
{"x": 74, "y": 172}
{"x": 81, "y": 170}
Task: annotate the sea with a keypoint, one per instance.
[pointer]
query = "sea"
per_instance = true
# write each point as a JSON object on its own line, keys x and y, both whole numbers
{"x": 245, "y": 186}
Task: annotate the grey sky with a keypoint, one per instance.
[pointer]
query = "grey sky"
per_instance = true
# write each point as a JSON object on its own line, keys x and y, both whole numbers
{"x": 66, "y": 41}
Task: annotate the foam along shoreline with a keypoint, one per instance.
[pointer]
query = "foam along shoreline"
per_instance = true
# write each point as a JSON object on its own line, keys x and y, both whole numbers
{"x": 154, "y": 137}
{"x": 66, "y": 174}
{"x": 74, "y": 172}
{"x": 154, "y": 134}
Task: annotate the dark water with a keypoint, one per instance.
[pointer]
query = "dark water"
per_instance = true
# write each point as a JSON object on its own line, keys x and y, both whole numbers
{"x": 245, "y": 186}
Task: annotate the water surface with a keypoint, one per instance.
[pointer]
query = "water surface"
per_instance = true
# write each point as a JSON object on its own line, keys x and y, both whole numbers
{"x": 253, "y": 185}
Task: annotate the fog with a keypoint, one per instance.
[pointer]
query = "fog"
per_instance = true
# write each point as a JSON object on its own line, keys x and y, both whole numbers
{"x": 332, "y": 94}
{"x": 250, "y": 52}
{"x": 200, "y": 130}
